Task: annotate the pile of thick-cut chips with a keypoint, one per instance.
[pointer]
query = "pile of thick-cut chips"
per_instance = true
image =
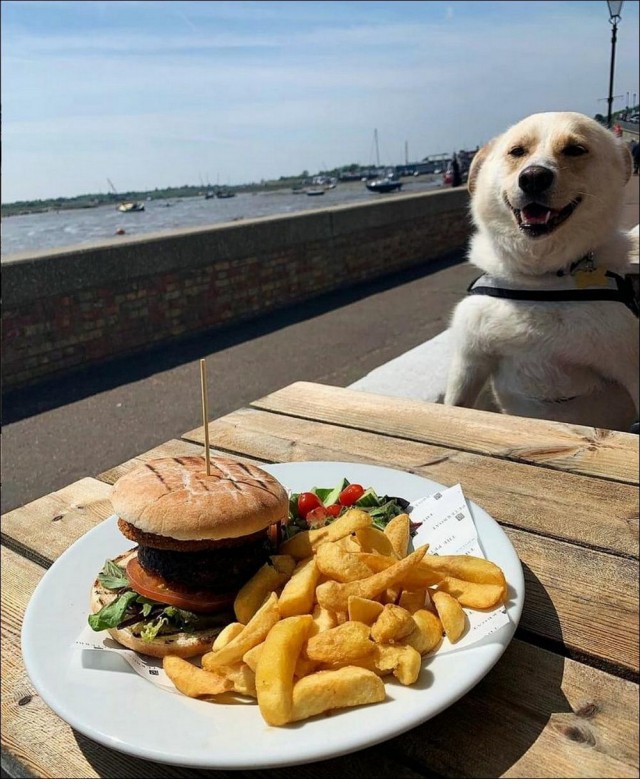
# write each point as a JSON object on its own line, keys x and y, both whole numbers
{"x": 337, "y": 609}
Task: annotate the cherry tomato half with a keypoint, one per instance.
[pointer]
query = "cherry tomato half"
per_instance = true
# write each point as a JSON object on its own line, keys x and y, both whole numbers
{"x": 351, "y": 494}
{"x": 317, "y": 517}
{"x": 307, "y": 501}
{"x": 334, "y": 511}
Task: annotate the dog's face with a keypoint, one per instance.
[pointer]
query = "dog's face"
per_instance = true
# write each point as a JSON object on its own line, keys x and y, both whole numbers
{"x": 549, "y": 189}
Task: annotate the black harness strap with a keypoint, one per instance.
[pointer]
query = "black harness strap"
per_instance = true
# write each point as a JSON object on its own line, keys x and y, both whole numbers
{"x": 623, "y": 293}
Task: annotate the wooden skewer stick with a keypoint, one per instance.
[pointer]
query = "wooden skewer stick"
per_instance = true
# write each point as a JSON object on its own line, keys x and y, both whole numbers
{"x": 205, "y": 413}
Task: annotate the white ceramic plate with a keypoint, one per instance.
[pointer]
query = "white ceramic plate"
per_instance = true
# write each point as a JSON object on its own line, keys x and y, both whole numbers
{"x": 99, "y": 695}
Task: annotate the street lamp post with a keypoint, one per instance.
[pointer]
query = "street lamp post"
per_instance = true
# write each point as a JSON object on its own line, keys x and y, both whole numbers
{"x": 614, "y": 17}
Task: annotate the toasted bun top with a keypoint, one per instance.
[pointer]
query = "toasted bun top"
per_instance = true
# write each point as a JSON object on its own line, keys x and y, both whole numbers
{"x": 174, "y": 497}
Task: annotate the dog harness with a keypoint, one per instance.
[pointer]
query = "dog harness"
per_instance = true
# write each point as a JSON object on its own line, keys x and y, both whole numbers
{"x": 583, "y": 281}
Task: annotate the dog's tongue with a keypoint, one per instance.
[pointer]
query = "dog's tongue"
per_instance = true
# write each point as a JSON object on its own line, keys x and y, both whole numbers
{"x": 535, "y": 214}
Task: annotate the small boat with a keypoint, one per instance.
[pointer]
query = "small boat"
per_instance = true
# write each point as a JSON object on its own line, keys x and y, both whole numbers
{"x": 384, "y": 185}
{"x": 224, "y": 193}
{"x": 208, "y": 195}
{"x": 134, "y": 205}
{"x": 315, "y": 191}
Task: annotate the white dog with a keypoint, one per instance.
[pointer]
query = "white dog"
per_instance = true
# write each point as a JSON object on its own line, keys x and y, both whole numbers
{"x": 552, "y": 325}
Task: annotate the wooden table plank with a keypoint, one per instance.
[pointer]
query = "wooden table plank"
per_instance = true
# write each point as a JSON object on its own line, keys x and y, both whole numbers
{"x": 574, "y": 448}
{"x": 583, "y": 599}
{"x": 569, "y": 718}
{"x": 535, "y": 714}
{"x": 173, "y": 448}
{"x": 541, "y": 500}
{"x": 45, "y": 528}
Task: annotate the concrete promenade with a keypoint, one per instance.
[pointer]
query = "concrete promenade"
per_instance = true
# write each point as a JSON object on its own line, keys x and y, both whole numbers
{"x": 77, "y": 427}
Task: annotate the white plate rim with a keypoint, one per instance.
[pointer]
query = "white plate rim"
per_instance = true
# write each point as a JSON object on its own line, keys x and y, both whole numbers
{"x": 309, "y": 739}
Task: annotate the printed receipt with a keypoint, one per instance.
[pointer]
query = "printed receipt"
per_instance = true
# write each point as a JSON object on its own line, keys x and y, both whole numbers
{"x": 446, "y": 525}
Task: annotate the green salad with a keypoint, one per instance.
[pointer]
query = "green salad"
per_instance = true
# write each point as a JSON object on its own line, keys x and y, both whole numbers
{"x": 321, "y": 505}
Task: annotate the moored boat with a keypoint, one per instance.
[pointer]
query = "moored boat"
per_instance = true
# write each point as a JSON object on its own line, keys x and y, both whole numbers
{"x": 384, "y": 185}
{"x": 134, "y": 205}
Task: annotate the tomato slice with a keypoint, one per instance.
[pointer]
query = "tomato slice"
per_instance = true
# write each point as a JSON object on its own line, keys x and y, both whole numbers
{"x": 152, "y": 586}
{"x": 274, "y": 534}
{"x": 334, "y": 510}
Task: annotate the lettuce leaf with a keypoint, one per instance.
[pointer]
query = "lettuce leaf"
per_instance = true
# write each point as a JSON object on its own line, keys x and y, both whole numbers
{"x": 111, "y": 615}
{"x": 113, "y": 577}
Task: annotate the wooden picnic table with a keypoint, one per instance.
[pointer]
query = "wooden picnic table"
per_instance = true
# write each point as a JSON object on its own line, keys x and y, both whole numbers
{"x": 563, "y": 699}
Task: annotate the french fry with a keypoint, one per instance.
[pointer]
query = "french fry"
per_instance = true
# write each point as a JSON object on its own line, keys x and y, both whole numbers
{"x": 276, "y": 668}
{"x": 341, "y": 644}
{"x": 404, "y": 662}
{"x": 472, "y": 594}
{"x": 227, "y": 634}
{"x": 349, "y": 544}
{"x": 304, "y": 544}
{"x": 303, "y": 667}
{"x": 250, "y": 657}
{"x": 373, "y": 540}
{"x": 466, "y": 567}
{"x": 323, "y": 619}
{"x": 453, "y": 618}
{"x": 335, "y": 595}
{"x": 337, "y": 689}
{"x": 391, "y": 594}
{"x": 413, "y": 600}
{"x": 255, "y": 631}
{"x": 193, "y": 681}
{"x": 298, "y": 593}
{"x": 270, "y": 577}
{"x": 363, "y": 609}
{"x": 336, "y": 563}
{"x": 393, "y": 624}
{"x": 242, "y": 677}
{"x": 417, "y": 577}
{"x": 398, "y": 531}
{"x": 427, "y": 634}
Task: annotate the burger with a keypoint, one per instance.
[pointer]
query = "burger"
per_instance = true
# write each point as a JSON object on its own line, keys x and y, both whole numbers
{"x": 199, "y": 537}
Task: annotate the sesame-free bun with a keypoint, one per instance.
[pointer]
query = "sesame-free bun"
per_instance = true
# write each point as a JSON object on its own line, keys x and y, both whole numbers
{"x": 179, "y": 644}
{"x": 174, "y": 497}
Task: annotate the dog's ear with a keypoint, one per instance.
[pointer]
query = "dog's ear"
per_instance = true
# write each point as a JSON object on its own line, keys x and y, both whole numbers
{"x": 476, "y": 163}
{"x": 627, "y": 161}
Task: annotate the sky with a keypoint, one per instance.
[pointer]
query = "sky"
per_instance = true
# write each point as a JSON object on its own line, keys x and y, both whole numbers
{"x": 156, "y": 94}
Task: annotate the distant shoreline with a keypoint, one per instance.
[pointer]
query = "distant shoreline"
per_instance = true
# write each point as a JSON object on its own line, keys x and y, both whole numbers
{"x": 24, "y": 208}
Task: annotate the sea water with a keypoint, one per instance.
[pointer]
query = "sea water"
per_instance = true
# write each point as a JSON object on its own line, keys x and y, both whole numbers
{"x": 73, "y": 227}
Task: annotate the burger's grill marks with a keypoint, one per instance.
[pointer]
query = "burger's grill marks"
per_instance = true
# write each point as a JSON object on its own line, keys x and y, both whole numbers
{"x": 234, "y": 480}
{"x": 158, "y": 476}
{"x": 192, "y": 481}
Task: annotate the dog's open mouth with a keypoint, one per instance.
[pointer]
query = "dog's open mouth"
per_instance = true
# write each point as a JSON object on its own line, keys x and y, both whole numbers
{"x": 535, "y": 219}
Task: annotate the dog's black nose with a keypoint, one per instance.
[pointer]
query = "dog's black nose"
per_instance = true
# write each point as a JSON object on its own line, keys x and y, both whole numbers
{"x": 535, "y": 179}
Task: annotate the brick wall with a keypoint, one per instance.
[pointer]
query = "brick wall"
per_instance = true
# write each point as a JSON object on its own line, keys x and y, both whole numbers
{"x": 67, "y": 309}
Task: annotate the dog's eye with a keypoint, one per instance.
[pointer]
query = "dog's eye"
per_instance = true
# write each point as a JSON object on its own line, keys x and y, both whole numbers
{"x": 574, "y": 150}
{"x": 517, "y": 151}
